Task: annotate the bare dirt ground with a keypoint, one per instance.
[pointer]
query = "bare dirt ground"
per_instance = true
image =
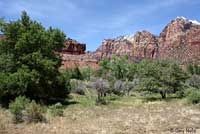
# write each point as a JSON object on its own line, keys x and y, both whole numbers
{"x": 157, "y": 117}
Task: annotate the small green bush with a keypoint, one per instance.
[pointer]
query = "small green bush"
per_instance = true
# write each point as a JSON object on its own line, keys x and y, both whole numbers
{"x": 56, "y": 110}
{"x": 33, "y": 113}
{"x": 24, "y": 110}
{"x": 18, "y": 107}
{"x": 193, "y": 96}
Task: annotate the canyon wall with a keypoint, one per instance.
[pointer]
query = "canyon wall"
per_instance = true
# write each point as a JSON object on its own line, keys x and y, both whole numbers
{"x": 179, "y": 41}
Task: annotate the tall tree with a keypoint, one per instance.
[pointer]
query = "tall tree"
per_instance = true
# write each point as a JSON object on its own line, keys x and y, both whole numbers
{"x": 29, "y": 62}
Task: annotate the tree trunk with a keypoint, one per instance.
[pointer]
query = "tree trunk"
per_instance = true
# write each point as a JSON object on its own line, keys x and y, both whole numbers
{"x": 163, "y": 94}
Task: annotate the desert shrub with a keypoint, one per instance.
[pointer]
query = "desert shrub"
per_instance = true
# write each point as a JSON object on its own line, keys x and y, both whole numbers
{"x": 124, "y": 87}
{"x": 101, "y": 86}
{"x": 130, "y": 85}
{"x": 119, "y": 87}
{"x": 77, "y": 86}
{"x": 194, "y": 96}
{"x": 87, "y": 72}
{"x": 18, "y": 107}
{"x": 24, "y": 110}
{"x": 56, "y": 109}
{"x": 33, "y": 113}
{"x": 194, "y": 81}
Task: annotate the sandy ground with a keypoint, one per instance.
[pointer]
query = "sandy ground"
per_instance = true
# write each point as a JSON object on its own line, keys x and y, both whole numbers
{"x": 149, "y": 118}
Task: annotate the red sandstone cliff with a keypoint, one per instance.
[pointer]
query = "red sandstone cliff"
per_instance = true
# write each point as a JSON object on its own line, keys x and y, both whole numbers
{"x": 73, "y": 54}
{"x": 179, "y": 40}
{"x": 141, "y": 45}
{"x": 110, "y": 47}
{"x": 73, "y": 47}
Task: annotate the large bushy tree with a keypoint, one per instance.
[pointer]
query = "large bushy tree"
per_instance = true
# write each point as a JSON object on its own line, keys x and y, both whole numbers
{"x": 161, "y": 77}
{"x": 29, "y": 62}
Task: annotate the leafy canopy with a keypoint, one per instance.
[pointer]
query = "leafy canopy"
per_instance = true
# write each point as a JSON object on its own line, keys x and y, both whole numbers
{"x": 29, "y": 62}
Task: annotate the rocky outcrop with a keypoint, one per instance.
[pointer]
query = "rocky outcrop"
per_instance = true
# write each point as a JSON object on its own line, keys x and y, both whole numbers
{"x": 73, "y": 47}
{"x": 73, "y": 54}
{"x": 70, "y": 61}
{"x": 180, "y": 40}
{"x": 112, "y": 47}
{"x": 145, "y": 45}
{"x": 141, "y": 45}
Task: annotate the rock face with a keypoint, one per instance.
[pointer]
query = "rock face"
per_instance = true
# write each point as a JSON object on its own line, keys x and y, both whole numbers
{"x": 73, "y": 54}
{"x": 180, "y": 40}
{"x": 145, "y": 45}
{"x": 73, "y": 47}
{"x": 141, "y": 45}
{"x": 110, "y": 47}
{"x": 70, "y": 61}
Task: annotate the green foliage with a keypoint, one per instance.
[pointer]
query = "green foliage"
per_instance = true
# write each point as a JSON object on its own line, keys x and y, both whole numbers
{"x": 73, "y": 73}
{"x": 132, "y": 73}
{"x": 161, "y": 77}
{"x": 87, "y": 72}
{"x": 34, "y": 113}
{"x": 194, "y": 96}
{"x": 119, "y": 67}
{"x": 56, "y": 110}
{"x": 104, "y": 68}
{"x": 76, "y": 73}
{"x": 24, "y": 110}
{"x": 18, "y": 107}
{"x": 155, "y": 76}
{"x": 193, "y": 69}
{"x": 29, "y": 62}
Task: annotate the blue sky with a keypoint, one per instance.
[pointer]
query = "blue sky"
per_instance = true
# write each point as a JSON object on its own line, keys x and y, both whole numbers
{"x": 91, "y": 21}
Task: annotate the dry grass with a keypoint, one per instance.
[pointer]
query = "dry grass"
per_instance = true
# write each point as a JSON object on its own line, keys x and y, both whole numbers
{"x": 123, "y": 118}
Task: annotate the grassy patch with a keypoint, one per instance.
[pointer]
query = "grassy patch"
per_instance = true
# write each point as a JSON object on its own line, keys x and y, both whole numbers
{"x": 85, "y": 100}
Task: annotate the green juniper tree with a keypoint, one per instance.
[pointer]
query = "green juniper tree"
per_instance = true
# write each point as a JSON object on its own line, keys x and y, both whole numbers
{"x": 29, "y": 61}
